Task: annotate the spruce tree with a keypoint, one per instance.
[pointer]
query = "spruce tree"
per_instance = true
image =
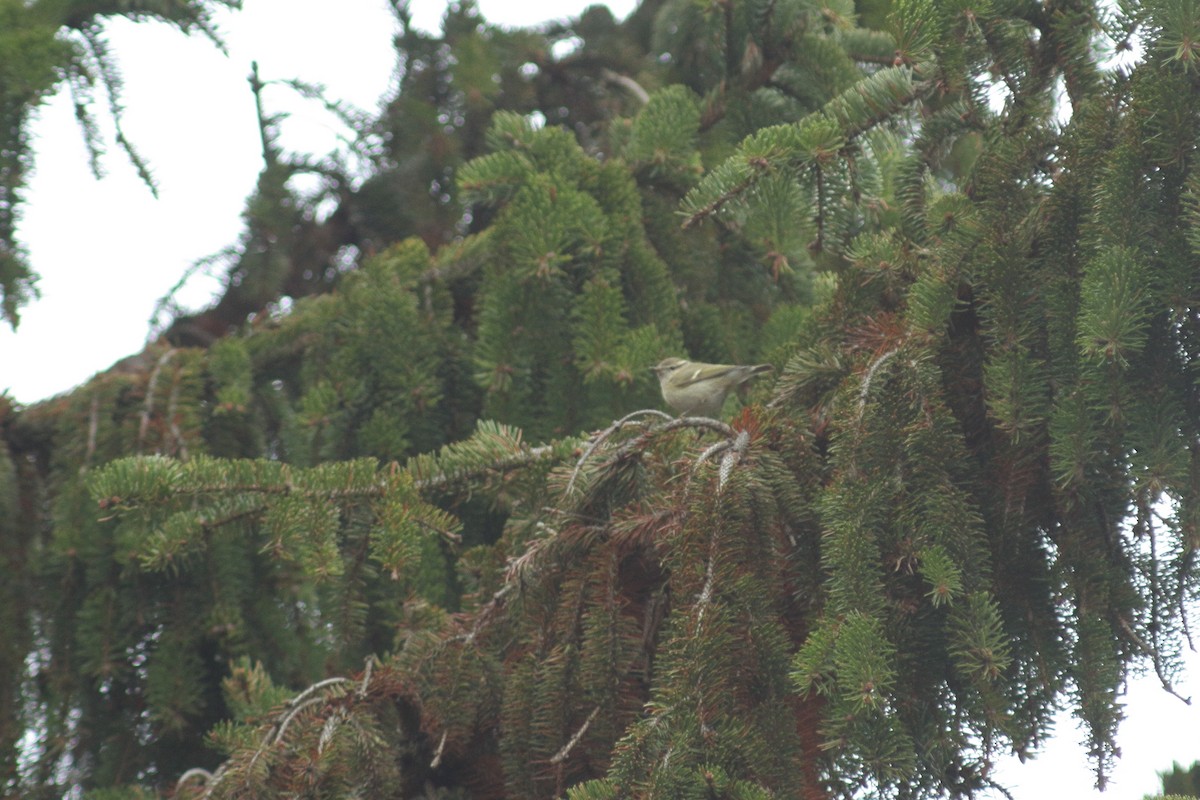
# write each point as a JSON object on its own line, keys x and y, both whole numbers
{"x": 425, "y": 532}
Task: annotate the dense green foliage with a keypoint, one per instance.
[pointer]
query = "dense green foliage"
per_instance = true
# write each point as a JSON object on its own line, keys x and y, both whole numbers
{"x": 1181, "y": 781}
{"x": 418, "y": 530}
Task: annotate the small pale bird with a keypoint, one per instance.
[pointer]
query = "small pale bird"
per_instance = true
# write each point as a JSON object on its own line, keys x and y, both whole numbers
{"x": 699, "y": 390}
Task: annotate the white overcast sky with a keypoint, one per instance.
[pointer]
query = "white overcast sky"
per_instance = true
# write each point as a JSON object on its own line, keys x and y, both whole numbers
{"x": 107, "y": 250}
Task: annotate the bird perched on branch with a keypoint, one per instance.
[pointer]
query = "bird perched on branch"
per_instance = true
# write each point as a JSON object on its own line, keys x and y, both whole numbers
{"x": 699, "y": 390}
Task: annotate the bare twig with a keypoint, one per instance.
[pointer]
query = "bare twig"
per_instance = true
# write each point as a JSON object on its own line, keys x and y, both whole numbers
{"x": 148, "y": 405}
{"x": 437, "y": 756}
{"x": 172, "y": 419}
{"x": 282, "y": 726}
{"x": 204, "y": 776}
{"x": 714, "y": 449}
{"x": 1189, "y": 558}
{"x": 1154, "y": 658}
{"x": 366, "y": 681}
{"x": 865, "y": 391}
{"x": 603, "y": 436}
{"x": 270, "y": 156}
{"x": 93, "y": 428}
{"x": 563, "y": 753}
{"x": 487, "y": 612}
{"x": 316, "y": 687}
{"x": 705, "y": 596}
{"x": 734, "y": 456}
{"x": 518, "y": 565}
{"x": 627, "y": 83}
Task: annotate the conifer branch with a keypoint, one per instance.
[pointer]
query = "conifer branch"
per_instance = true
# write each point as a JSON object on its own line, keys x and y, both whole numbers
{"x": 729, "y": 434}
{"x": 528, "y": 457}
{"x": 565, "y": 751}
{"x": 998, "y": 59}
{"x": 169, "y": 305}
{"x": 705, "y": 596}
{"x": 282, "y": 725}
{"x": 292, "y": 709}
{"x": 204, "y": 776}
{"x": 403, "y": 13}
{"x": 871, "y": 58}
{"x": 79, "y": 81}
{"x": 758, "y": 167}
{"x": 353, "y": 118}
{"x": 731, "y": 50}
{"x": 627, "y": 83}
{"x": 1185, "y": 569}
{"x": 148, "y": 403}
{"x": 519, "y": 566}
{"x": 816, "y": 138}
{"x": 213, "y": 523}
{"x": 735, "y": 455}
{"x": 437, "y": 755}
{"x": 820, "y": 181}
{"x": 864, "y": 392}
{"x": 489, "y": 611}
{"x": 368, "y": 668}
{"x": 173, "y": 417}
{"x": 991, "y": 784}
{"x": 318, "y": 686}
{"x": 734, "y": 449}
{"x": 706, "y": 423}
{"x": 603, "y": 436}
{"x": 710, "y": 451}
{"x": 1152, "y": 534}
{"x": 332, "y": 722}
{"x": 93, "y": 429}
{"x": 269, "y": 151}
{"x": 216, "y": 780}
{"x": 1155, "y": 658}
{"x": 113, "y": 86}
{"x": 458, "y": 260}
{"x": 300, "y": 702}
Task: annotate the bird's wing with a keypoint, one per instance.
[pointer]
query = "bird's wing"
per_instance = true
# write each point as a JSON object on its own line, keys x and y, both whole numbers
{"x": 692, "y": 375}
